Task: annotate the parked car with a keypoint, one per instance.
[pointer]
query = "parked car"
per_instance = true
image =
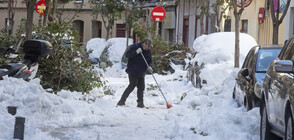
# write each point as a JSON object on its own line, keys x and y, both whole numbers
{"x": 277, "y": 96}
{"x": 253, "y": 73}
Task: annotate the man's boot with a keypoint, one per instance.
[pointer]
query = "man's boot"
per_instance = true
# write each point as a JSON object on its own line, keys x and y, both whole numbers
{"x": 121, "y": 102}
{"x": 140, "y": 105}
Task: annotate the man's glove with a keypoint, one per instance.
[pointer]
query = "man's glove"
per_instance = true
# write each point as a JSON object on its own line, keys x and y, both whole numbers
{"x": 149, "y": 69}
{"x": 139, "y": 50}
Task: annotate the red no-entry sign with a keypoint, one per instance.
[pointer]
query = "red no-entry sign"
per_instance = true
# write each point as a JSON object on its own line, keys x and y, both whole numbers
{"x": 40, "y": 7}
{"x": 158, "y": 14}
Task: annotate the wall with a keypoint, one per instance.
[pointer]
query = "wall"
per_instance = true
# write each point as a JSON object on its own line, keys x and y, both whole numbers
{"x": 70, "y": 9}
{"x": 289, "y": 22}
{"x": 265, "y": 30}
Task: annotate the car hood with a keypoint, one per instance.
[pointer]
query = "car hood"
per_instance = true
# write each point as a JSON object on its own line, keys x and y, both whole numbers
{"x": 260, "y": 77}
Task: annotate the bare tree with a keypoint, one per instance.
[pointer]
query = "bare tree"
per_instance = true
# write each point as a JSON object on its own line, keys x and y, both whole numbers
{"x": 11, "y": 13}
{"x": 112, "y": 10}
{"x": 275, "y": 13}
{"x": 237, "y": 15}
{"x": 203, "y": 4}
{"x": 30, "y": 4}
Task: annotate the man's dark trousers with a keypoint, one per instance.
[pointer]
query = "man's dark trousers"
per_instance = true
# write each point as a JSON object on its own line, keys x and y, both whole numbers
{"x": 134, "y": 81}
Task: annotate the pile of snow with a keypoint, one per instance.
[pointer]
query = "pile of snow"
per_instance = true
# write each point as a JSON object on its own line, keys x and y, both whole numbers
{"x": 41, "y": 110}
{"x": 217, "y": 52}
{"x": 116, "y": 47}
{"x": 96, "y": 45}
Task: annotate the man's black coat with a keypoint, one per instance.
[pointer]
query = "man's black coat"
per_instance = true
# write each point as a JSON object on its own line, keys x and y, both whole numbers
{"x": 136, "y": 64}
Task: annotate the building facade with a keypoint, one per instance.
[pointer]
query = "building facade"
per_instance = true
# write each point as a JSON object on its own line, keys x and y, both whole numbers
{"x": 289, "y": 22}
{"x": 249, "y": 23}
{"x": 79, "y": 11}
{"x": 181, "y": 24}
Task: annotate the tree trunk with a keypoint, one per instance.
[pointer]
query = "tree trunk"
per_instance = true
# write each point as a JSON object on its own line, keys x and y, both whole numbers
{"x": 202, "y": 24}
{"x": 30, "y": 16}
{"x": 276, "y": 33}
{"x": 276, "y": 20}
{"x": 127, "y": 26}
{"x": 237, "y": 34}
{"x": 237, "y": 15}
{"x": 47, "y": 11}
{"x": 107, "y": 33}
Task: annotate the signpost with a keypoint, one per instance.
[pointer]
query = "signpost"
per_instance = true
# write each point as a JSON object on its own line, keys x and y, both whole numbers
{"x": 40, "y": 7}
{"x": 157, "y": 14}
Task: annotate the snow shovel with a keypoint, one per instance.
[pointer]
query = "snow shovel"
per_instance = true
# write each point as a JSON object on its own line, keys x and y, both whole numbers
{"x": 167, "y": 104}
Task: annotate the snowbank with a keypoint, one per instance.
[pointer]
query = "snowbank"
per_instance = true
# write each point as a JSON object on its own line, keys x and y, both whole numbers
{"x": 217, "y": 52}
{"x": 116, "y": 47}
{"x": 41, "y": 110}
{"x": 97, "y": 45}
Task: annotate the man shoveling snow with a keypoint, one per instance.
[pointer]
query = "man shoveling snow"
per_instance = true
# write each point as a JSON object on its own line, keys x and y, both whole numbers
{"x": 136, "y": 70}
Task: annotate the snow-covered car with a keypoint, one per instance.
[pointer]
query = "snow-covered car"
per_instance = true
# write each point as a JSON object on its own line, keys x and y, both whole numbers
{"x": 252, "y": 74}
{"x": 215, "y": 52}
{"x": 108, "y": 52}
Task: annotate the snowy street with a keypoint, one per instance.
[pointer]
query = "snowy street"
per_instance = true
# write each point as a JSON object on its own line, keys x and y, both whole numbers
{"x": 208, "y": 113}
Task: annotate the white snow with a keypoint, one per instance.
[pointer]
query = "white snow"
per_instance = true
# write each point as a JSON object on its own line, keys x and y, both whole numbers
{"x": 217, "y": 52}
{"x": 96, "y": 45}
{"x": 209, "y": 113}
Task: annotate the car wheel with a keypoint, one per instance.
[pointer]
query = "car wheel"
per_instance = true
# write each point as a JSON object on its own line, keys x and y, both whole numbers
{"x": 265, "y": 129}
{"x": 289, "y": 126}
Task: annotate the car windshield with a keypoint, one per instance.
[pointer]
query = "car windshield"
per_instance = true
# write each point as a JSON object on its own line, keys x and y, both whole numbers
{"x": 265, "y": 57}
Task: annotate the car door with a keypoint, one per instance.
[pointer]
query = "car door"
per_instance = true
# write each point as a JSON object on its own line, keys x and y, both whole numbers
{"x": 270, "y": 89}
{"x": 276, "y": 88}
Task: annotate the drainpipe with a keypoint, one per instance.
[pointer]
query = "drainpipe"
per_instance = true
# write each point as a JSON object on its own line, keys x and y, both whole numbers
{"x": 8, "y": 17}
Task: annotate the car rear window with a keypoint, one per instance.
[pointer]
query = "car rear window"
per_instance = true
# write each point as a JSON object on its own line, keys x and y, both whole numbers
{"x": 264, "y": 59}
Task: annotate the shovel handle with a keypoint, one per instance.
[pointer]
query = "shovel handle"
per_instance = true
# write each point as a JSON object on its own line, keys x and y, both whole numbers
{"x": 154, "y": 78}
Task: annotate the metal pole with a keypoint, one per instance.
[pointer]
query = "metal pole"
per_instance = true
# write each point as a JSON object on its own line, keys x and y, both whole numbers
{"x": 19, "y": 128}
{"x": 8, "y": 17}
{"x": 258, "y": 33}
{"x": 157, "y": 24}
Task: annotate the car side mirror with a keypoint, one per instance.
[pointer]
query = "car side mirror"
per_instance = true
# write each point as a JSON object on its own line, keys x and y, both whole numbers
{"x": 245, "y": 72}
{"x": 284, "y": 66}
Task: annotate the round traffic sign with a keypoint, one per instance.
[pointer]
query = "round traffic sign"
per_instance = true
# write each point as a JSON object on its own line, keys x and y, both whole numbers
{"x": 246, "y": 3}
{"x": 40, "y": 7}
{"x": 158, "y": 14}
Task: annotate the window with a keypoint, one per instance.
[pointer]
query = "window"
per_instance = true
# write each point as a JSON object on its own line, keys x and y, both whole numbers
{"x": 245, "y": 26}
{"x": 248, "y": 58}
{"x": 78, "y": 25}
{"x": 293, "y": 26}
{"x": 120, "y": 30}
{"x": 264, "y": 58}
{"x": 97, "y": 29}
{"x": 227, "y": 25}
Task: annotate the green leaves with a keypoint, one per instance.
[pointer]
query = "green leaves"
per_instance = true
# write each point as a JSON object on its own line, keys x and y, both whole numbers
{"x": 67, "y": 67}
